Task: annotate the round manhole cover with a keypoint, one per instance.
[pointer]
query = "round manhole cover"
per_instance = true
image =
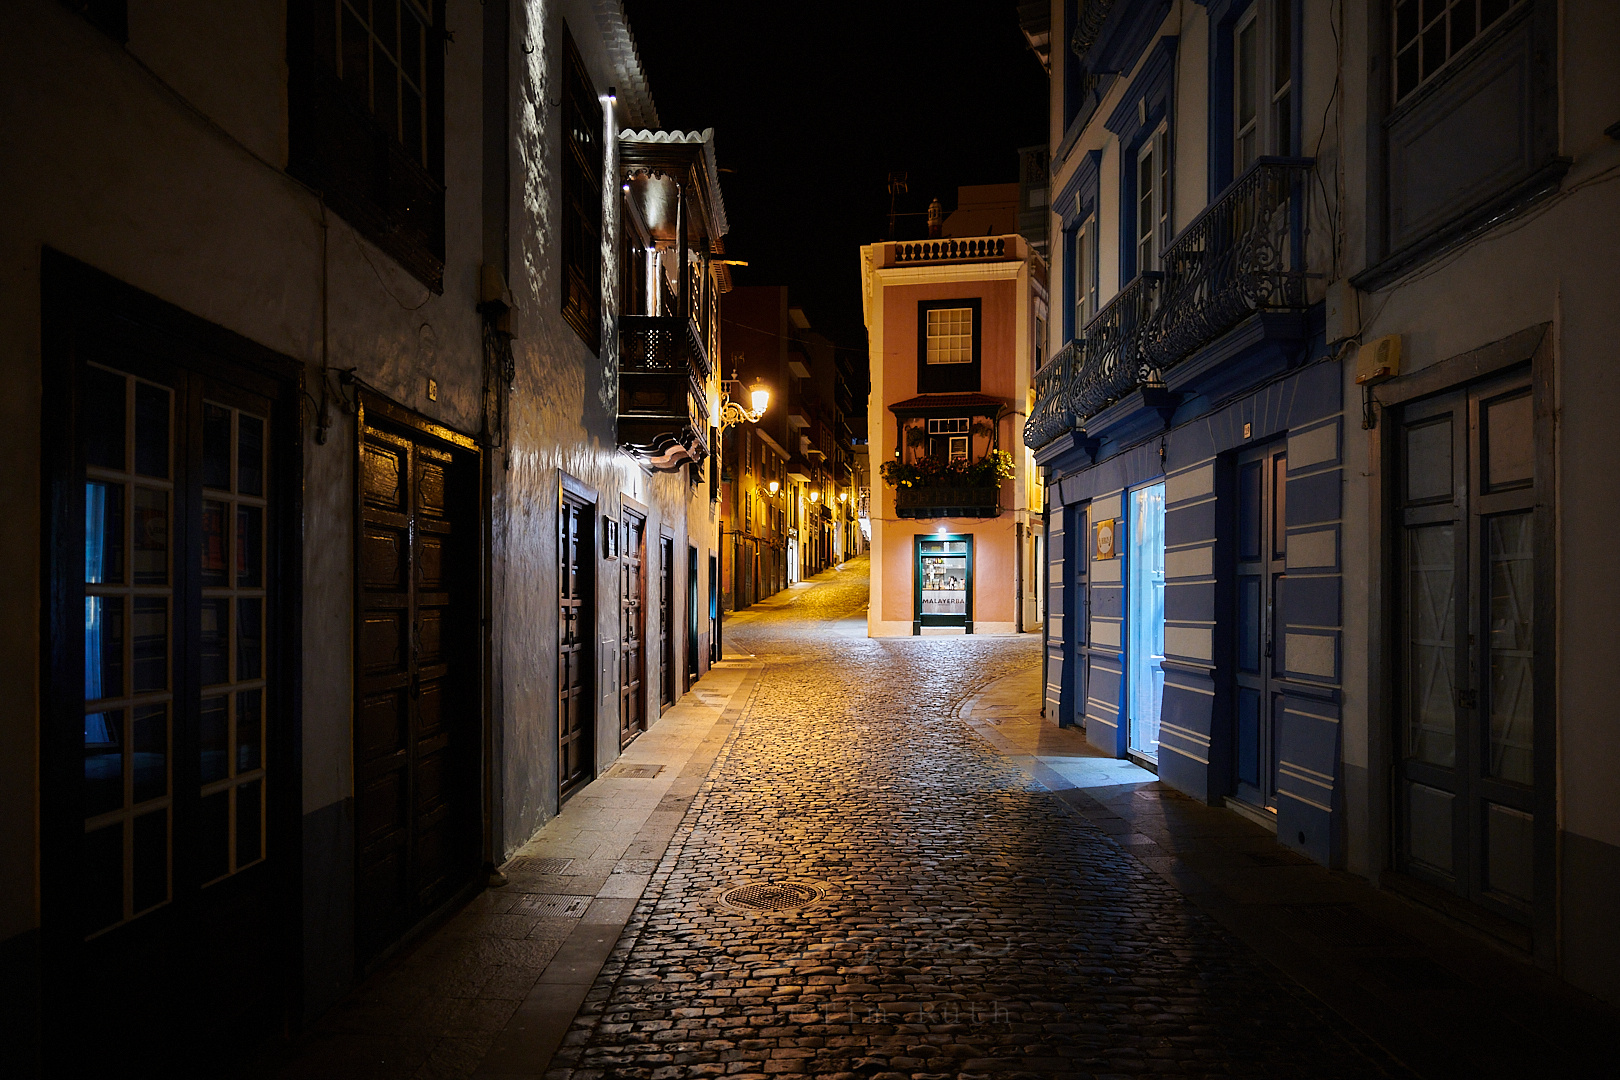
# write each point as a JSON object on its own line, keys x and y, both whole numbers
{"x": 772, "y": 896}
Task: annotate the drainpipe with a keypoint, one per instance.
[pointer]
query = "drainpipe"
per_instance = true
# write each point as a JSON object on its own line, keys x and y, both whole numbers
{"x": 1018, "y": 577}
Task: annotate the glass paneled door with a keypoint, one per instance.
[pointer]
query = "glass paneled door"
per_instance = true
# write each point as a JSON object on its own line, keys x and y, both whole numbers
{"x": 1144, "y": 617}
{"x": 944, "y": 581}
{"x": 1466, "y": 793}
{"x": 1262, "y": 550}
{"x": 161, "y": 845}
{"x": 632, "y": 628}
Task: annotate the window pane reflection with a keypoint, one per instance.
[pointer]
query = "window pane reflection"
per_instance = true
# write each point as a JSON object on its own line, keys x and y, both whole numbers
{"x": 103, "y": 533}
{"x": 215, "y": 573}
{"x": 151, "y": 430}
{"x": 213, "y": 740}
{"x": 216, "y": 463}
{"x": 103, "y": 762}
{"x": 103, "y": 647}
{"x": 215, "y": 640}
{"x": 1510, "y": 548}
{"x": 151, "y": 555}
{"x": 1431, "y": 731}
{"x": 249, "y": 547}
{"x": 249, "y": 724}
{"x": 250, "y": 455}
{"x": 151, "y": 752}
{"x": 249, "y": 640}
{"x": 151, "y": 641}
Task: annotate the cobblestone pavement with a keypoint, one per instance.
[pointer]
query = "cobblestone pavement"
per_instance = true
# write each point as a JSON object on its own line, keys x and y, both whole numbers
{"x": 970, "y": 924}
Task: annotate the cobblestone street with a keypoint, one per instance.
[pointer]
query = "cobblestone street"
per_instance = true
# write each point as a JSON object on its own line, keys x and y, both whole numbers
{"x": 967, "y": 922}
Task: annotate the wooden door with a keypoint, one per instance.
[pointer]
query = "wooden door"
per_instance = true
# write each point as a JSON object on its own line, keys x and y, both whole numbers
{"x": 666, "y": 620}
{"x": 1262, "y": 539}
{"x": 417, "y": 719}
{"x": 576, "y": 629}
{"x": 163, "y": 830}
{"x": 1467, "y": 794}
{"x": 632, "y": 629}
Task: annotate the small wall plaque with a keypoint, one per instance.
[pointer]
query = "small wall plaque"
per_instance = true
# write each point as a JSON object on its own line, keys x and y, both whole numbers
{"x": 610, "y": 537}
{"x": 1105, "y": 539}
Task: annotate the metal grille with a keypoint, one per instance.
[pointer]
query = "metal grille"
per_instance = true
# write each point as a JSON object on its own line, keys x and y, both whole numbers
{"x": 527, "y": 865}
{"x": 571, "y": 906}
{"x": 772, "y": 896}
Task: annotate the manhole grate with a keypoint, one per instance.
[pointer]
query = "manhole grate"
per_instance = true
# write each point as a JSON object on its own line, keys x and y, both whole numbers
{"x": 772, "y": 896}
{"x": 571, "y": 906}
{"x": 529, "y": 865}
{"x": 634, "y": 772}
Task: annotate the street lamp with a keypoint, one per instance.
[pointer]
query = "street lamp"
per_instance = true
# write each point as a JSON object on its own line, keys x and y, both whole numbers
{"x": 815, "y": 496}
{"x": 774, "y": 486}
{"x": 731, "y": 412}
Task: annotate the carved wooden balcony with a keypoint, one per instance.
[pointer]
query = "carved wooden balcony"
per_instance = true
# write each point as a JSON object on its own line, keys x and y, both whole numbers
{"x": 663, "y": 402}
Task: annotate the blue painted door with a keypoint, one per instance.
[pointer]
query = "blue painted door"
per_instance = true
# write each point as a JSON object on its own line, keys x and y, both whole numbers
{"x": 1144, "y": 618}
{"x": 1261, "y": 561}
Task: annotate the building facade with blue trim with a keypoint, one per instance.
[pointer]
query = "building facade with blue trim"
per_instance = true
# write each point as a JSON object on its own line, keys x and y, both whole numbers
{"x": 1326, "y": 431}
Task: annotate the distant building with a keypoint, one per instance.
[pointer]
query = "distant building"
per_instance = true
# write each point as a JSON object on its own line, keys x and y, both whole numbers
{"x": 954, "y": 328}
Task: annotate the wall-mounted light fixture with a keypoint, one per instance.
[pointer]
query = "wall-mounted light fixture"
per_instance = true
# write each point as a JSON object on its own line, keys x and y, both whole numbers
{"x": 775, "y": 486}
{"x": 815, "y": 496}
{"x": 843, "y": 496}
{"x": 759, "y": 396}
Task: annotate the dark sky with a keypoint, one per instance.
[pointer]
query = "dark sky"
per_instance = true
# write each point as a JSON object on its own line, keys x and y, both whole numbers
{"x": 814, "y": 103}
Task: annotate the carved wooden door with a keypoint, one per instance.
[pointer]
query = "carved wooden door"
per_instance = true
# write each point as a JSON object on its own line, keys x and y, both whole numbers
{"x": 632, "y": 630}
{"x": 417, "y": 724}
{"x": 576, "y": 623}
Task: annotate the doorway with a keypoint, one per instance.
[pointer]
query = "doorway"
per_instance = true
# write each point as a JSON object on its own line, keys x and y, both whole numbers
{"x": 418, "y": 726}
{"x": 632, "y": 628}
{"x": 944, "y": 582}
{"x": 666, "y": 620}
{"x": 1261, "y": 549}
{"x": 168, "y": 785}
{"x": 1144, "y": 619}
{"x": 576, "y": 633}
{"x": 1471, "y": 763}
{"x": 691, "y": 615}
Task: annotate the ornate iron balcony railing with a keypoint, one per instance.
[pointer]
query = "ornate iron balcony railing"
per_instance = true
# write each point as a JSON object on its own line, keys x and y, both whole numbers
{"x": 1244, "y": 254}
{"x": 1053, "y": 413}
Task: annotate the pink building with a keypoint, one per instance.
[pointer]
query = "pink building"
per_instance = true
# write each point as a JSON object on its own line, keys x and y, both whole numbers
{"x": 954, "y": 326}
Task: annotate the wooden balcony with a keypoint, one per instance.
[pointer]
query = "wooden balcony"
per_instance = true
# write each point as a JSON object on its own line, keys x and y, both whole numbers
{"x": 663, "y": 400}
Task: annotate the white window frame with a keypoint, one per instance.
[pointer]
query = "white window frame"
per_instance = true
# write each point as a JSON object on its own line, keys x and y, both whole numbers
{"x": 1085, "y": 273}
{"x": 1262, "y": 82}
{"x": 1152, "y": 219}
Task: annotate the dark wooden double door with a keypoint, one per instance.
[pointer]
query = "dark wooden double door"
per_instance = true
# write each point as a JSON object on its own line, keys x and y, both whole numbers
{"x": 1472, "y": 783}
{"x": 418, "y": 723}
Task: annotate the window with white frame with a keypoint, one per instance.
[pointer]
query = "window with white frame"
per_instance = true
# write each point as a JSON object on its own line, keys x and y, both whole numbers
{"x": 950, "y": 336}
{"x": 1152, "y": 198}
{"x": 1085, "y": 273}
{"x": 949, "y": 438}
{"x": 1262, "y": 83}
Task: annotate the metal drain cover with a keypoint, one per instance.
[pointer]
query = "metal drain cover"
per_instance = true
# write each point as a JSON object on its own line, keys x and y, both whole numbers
{"x": 773, "y": 895}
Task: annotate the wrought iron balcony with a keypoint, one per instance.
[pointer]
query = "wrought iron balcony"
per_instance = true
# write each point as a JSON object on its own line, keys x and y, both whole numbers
{"x": 663, "y": 375}
{"x": 1244, "y": 254}
{"x": 927, "y": 501}
{"x": 1053, "y": 413}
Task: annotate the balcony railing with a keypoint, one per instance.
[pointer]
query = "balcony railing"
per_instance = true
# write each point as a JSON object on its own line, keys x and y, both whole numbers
{"x": 663, "y": 376}
{"x": 1244, "y": 254}
{"x": 926, "y": 501}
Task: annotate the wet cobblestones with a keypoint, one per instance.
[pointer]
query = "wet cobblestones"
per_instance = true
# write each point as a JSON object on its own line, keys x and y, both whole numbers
{"x": 972, "y": 926}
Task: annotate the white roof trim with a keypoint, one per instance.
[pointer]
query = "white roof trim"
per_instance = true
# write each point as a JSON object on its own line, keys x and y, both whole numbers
{"x": 635, "y": 97}
{"x": 719, "y": 226}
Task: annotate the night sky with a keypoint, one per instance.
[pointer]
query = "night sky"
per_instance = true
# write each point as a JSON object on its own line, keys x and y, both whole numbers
{"x": 813, "y": 104}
